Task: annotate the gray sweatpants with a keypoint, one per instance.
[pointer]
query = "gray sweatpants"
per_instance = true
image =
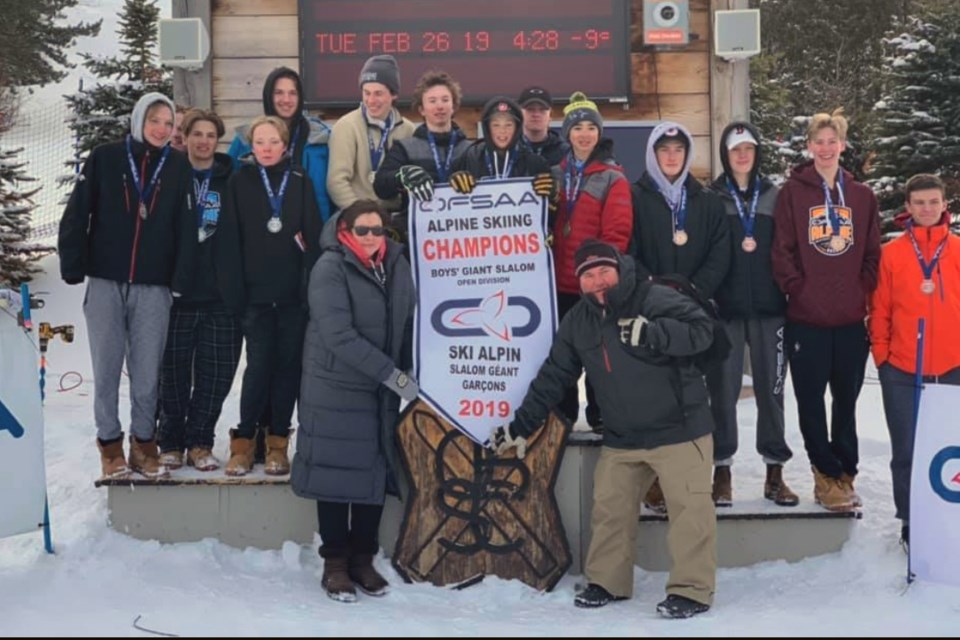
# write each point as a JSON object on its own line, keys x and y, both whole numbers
{"x": 768, "y": 367}
{"x": 899, "y": 402}
{"x": 126, "y": 321}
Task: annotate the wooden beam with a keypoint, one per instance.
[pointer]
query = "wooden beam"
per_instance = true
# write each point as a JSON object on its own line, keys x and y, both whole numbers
{"x": 193, "y": 88}
{"x": 670, "y": 72}
{"x": 245, "y": 36}
{"x": 729, "y": 87}
{"x": 255, "y": 8}
{"x": 242, "y": 78}
{"x": 690, "y": 110}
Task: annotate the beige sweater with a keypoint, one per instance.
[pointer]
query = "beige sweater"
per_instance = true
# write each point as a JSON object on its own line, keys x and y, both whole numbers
{"x": 348, "y": 175}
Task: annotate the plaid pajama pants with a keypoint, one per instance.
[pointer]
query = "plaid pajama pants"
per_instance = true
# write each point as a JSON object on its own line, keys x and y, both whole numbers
{"x": 199, "y": 363}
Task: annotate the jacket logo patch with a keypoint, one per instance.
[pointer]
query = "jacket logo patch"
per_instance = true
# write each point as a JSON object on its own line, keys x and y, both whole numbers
{"x": 820, "y": 232}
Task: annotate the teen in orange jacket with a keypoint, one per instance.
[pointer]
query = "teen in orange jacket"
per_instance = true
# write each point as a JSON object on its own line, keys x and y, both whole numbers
{"x": 919, "y": 278}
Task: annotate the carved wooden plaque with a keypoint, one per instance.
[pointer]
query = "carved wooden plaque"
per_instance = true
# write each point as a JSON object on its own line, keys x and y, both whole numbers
{"x": 471, "y": 513}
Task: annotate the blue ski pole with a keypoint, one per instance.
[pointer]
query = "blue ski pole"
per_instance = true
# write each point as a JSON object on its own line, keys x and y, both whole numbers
{"x": 917, "y": 390}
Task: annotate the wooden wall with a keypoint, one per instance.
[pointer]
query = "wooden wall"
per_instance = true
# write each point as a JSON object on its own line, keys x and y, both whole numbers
{"x": 251, "y": 37}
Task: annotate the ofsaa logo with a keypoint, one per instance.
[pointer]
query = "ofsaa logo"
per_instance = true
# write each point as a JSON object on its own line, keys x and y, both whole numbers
{"x": 490, "y": 316}
{"x": 946, "y": 464}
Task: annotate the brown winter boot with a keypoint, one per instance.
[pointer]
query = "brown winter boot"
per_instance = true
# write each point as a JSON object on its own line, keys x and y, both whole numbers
{"x": 145, "y": 459}
{"x": 277, "y": 463}
{"x": 654, "y": 499}
{"x": 776, "y": 489}
{"x": 112, "y": 463}
{"x": 847, "y": 481}
{"x": 241, "y": 455}
{"x": 202, "y": 459}
{"x": 722, "y": 487}
{"x": 366, "y": 577}
{"x": 336, "y": 580}
{"x": 830, "y": 493}
{"x": 172, "y": 459}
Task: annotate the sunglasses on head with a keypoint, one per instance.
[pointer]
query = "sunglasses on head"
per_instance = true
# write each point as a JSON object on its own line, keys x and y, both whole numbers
{"x": 362, "y": 231}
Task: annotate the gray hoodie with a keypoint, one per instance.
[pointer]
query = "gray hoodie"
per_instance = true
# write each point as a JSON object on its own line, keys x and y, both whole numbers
{"x": 670, "y": 190}
{"x": 139, "y": 115}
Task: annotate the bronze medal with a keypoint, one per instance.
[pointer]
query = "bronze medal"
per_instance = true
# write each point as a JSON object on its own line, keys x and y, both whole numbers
{"x": 680, "y": 237}
{"x": 928, "y": 286}
{"x": 749, "y": 244}
{"x": 837, "y": 243}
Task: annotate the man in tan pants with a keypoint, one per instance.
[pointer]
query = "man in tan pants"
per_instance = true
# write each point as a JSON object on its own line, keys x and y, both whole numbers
{"x": 636, "y": 340}
{"x": 621, "y": 479}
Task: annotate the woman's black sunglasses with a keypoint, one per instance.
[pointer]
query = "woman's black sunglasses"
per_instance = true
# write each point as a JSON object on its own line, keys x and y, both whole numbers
{"x": 362, "y": 231}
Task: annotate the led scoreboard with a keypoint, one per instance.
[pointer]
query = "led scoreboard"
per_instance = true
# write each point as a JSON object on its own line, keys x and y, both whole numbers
{"x": 490, "y": 46}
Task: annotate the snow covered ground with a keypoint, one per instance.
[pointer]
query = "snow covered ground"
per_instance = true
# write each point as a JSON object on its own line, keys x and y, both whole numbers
{"x": 99, "y": 581}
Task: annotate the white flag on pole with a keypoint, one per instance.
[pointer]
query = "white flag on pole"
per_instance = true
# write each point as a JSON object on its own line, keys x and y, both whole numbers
{"x": 935, "y": 487}
{"x": 22, "y": 478}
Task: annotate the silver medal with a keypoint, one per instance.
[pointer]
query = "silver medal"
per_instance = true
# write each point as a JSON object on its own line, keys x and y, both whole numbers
{"x": 274, "y": 225}
{"x": 680, "y": 237}
{"x": 928, "y": 286}
{"x": 143, "y": 211}
{"x": 202, "y": 235}
{"x": 749, "y": 244}
{"x": 373, "y": 176}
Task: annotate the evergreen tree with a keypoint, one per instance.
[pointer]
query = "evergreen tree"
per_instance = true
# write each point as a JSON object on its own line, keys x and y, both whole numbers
{"x": 102, "y": 113}
{"x": 34, "y": 40}
{"x": 918, "y": 128}
{"x": 16, "y": 254}
{"x": 817, "y": 55}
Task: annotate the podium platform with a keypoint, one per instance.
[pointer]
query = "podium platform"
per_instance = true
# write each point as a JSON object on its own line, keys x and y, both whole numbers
{"x": 261, "y": 511}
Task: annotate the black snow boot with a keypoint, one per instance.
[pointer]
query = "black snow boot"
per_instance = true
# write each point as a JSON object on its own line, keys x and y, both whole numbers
{"x": 680, "y": 607}
{"x": 595, "y": 596}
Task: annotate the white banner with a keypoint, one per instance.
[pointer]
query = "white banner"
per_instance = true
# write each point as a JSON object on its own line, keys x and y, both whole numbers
{"x": 486, "y": 311}
{"x": 22, "y": 479}
{"x": 935, "y": 487}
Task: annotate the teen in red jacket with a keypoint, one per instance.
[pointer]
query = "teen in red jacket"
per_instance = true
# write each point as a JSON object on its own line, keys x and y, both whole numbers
{"x": 594, "y": 203}
{"x": 826, "y": 251}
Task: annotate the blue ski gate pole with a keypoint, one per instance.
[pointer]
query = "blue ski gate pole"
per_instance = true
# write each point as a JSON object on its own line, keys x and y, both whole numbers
{"x": 917, "y": 391}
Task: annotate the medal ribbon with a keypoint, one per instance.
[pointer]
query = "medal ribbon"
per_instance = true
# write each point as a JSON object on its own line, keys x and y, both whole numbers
{"x": 832, "y": 214}
{"x": 926, "y": 267}
{"x": 747, "y": 218}
{"x": 144, "y": 193}
{"x": 442, "y": 170}
{"x": 276, "y": 201}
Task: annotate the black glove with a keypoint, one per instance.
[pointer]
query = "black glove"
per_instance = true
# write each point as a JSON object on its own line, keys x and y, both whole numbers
{"x": 544, "y": 184}
{"x": 504, "y": 438}
{"x": 463, "y": 182}
{"x": 416, "y": 181}
{"x": 633, "y": 331}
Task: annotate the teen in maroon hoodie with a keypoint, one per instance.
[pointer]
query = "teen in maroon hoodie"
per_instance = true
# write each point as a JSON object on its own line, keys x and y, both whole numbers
{"x": 826, "y": 255}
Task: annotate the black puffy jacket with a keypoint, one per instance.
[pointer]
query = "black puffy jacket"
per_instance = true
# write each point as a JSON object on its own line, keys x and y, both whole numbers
{"x": 651, "y": 395}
